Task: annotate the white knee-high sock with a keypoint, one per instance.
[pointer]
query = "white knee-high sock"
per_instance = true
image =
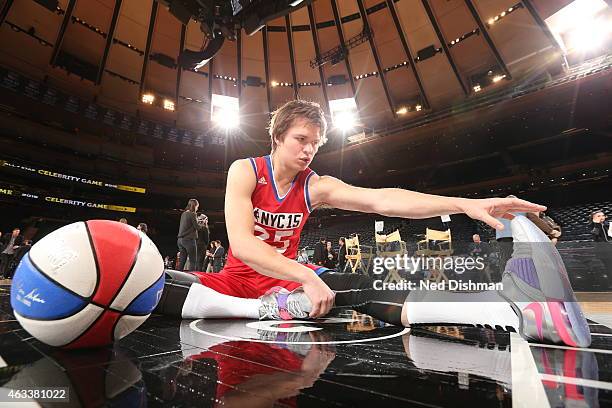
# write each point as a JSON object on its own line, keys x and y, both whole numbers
{"x": 203, "y": 302}
{"x": 462, "y": 308}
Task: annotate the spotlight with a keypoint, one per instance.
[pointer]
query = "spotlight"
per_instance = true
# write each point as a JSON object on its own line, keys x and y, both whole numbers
{"x": 345, "y": 120}
{"x": 477, "y": 88}
{"x": 402, "y": 111}
{"x": 148, "y": 99}
{"x": 498, "y": 78}
{"x": 274, "y": 84}
{"x": 344, "y": 113}
{"x": 225, "y": 111}
{"x": 588, "y": 36}
{"x": 418, "y": 108}
{"x": 168, "y": 104}
{"x": 225, "y": 118}
{"x": 582, "y": 25}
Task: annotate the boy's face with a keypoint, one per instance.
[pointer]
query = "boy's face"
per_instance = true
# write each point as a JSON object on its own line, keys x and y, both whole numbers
{"x": 300, "y": 145}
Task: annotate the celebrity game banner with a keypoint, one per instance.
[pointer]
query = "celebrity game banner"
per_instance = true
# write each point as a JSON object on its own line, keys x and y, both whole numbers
{"x": 6, "y": 164}
{"x": 20, "y": 194}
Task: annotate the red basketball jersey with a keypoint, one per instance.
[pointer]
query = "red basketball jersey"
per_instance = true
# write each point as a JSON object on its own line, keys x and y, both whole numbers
{"x": 279, "y": 220}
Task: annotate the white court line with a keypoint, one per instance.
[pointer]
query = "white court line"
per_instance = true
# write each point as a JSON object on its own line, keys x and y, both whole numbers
{"x": 527, "y": 388}
{"x": 602, "y": 334}
{"x": 592, "y": 350}
{"x": 390, "y": 336}
{"x": 2, "y": 362}
{"x": 602, "y": 319}
{"x": 577, "y": 381}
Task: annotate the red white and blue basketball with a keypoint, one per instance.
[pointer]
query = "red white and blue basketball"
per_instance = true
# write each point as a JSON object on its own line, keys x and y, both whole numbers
{"x": 87, "y": 284}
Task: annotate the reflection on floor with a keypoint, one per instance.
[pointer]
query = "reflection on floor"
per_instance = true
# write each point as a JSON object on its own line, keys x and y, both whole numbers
{"x": 345, "y": 360}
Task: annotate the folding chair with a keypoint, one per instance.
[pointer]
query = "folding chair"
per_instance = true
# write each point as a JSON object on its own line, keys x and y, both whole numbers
{"x": 435, "y": 243}
{"x": 358, "y": 257}
{"x": 388, "y": 246}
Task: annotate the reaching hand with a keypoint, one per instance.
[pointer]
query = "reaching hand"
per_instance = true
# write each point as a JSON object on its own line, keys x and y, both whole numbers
{"x": 320, "y": 295}
{"x": 486, "y": 210}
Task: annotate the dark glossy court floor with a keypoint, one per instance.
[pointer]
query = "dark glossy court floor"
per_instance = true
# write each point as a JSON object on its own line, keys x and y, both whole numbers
{"x": 347, "y": 360}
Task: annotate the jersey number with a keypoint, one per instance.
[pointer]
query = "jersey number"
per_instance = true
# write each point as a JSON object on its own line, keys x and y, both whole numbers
{"x": 278, "y": 237}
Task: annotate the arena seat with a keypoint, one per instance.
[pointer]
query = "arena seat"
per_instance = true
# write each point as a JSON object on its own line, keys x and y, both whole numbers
{"x": 435, "y": 238}
{"x": 388, "y": 246}
{"x": 358, "y": 257}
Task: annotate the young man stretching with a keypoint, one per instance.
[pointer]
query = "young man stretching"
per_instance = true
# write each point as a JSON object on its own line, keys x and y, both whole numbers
{"x": 267, "y": 202}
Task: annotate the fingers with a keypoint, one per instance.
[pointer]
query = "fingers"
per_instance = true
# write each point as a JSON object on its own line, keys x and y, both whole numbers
{"x": 323, "y": 306}
{"x": 316, "y": 310}
{"x": 492, "y": 222}
{"x": 524, "y": 205}
{"x": 329, "y": 301}
{"x": 332, "y": 299}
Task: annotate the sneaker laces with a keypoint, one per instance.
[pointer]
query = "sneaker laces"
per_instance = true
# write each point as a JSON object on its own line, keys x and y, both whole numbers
{"x": 298, "y": 304}
{"x": 269, "y": 310}
{"x": 294, "y": 307}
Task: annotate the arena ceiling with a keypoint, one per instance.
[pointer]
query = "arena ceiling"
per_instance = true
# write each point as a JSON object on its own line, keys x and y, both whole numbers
{"x": 425, "y": 53}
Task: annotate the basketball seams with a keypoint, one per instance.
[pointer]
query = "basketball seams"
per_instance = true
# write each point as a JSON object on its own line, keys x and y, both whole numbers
{"x": 127, "y": 275}
{"x": 73, "y": 315}
{"x": 56, "y": 282}
{"x": 136, "y": 297}
{"x": 86, "y": 330}
{"x": 95, "y": 258}
{"x": 86, "y": 299}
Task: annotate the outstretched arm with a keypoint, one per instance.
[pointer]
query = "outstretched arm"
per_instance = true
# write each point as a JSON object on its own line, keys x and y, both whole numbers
{"x": 396, "y": 202}
{"x": 260, "y": 256}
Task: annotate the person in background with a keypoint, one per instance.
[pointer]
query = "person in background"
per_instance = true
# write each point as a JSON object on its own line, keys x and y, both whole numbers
{"x": 11, "y": 244}
{"x": 218, "y": 256}
{"x": 123, "y": 220}
{"x": 341, "y": 254}
{"x": 20, "y": 252}
{"x": 603, "y": 247}
{"x": 319, "y": 256}
{"x": 188, "y": 235}
{"x": 598, "y": 227}
{"x": 202, "y": 241}
{"x": 303, "y": 257}
{"x": 142, "y": 227}
{"x": 479, "y": 249}
{"x": 208, "y": 261}
{"x": 330, "y": 256}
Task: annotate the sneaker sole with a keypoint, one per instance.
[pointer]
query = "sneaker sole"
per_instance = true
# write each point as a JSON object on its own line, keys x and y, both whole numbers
{"x": 567, "y": 317}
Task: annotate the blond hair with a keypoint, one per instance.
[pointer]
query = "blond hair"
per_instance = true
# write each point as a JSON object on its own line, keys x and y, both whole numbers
{"x": 283, "y": 118}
